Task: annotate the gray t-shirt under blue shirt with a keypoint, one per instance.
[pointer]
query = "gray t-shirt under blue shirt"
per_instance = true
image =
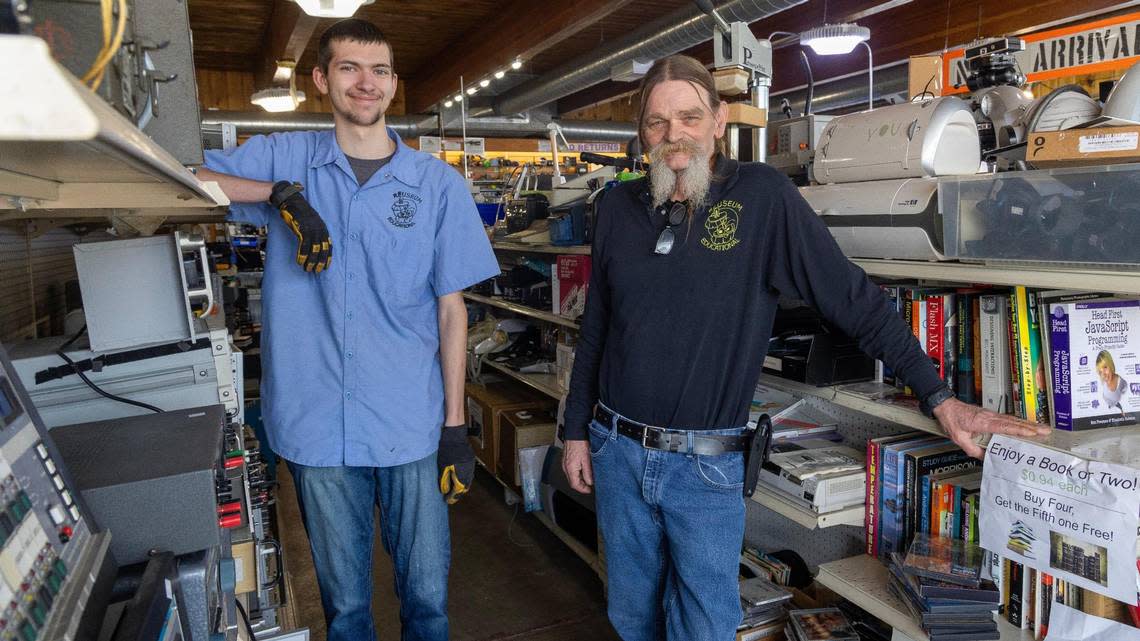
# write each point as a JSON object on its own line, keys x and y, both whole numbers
{"x": 365, "y": 167}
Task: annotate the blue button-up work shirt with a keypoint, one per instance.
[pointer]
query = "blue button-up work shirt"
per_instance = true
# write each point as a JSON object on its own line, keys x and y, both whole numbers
{"x": 350, "y": 357}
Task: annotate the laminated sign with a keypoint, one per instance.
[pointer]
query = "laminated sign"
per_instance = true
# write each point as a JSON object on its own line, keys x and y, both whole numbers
{"x": 1061, "y": 514}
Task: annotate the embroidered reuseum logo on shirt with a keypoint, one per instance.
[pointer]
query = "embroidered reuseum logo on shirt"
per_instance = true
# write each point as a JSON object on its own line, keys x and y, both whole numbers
{"x": 404, "y": 209}
{"x": 720, "y": 226}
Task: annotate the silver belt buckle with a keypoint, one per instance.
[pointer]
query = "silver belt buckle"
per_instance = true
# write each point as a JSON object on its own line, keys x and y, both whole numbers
{"x": 645, "y": 436}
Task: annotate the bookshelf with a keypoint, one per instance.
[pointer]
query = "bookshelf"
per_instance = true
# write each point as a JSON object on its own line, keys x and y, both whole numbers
{"x": 1123, "y": 281}
{"x": 583, "y": 250}
{"x": 862, "y": 580}
{"x": 545, "y": 383}
{"x": 521, "y": 309}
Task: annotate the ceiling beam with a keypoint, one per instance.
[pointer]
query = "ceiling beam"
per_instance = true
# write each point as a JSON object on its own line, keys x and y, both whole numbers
{"x": 521, "y": 29}
{"x": 289, "y": 32}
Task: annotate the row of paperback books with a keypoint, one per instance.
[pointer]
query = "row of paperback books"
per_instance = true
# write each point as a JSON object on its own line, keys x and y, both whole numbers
{"x": 1067, "y": 358}
{"x": 916, "y": 483}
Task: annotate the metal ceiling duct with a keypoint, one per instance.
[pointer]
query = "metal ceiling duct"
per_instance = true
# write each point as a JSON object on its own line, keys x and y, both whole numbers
{"x": 844, "y": 92}
{"x": 249, "y": 123}
{"x": 670, "y": 34}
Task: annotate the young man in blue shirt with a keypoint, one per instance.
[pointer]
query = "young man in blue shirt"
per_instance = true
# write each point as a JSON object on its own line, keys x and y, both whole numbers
{"x": 687, "y": 268}
{"x": 364, "y": 333}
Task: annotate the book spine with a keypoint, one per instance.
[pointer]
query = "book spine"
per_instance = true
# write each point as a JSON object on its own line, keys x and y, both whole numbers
{"x": 956, "y": 518}
{"x": 993, "y": 364}
{"x": 967, "y": 512}
{"x": 1016, "y": 406}
{"x": 965, "y": 349}
{"x": 1014, "y": 611}
{"x": 909, "y": 495}
{"x": 924, "y": 506}
{"x": 1036, "y": 361}
{"x": 945, "y": 508}
{"x": 976, "y": 313}
{"x": 1025, "y": 355}
{"x": 889, "y": 489}
{"x": 1060, "y": 360}
{"x": 950, "y": 340}
{"x": 934, "y": 329}
{"x": 871, "y": 513}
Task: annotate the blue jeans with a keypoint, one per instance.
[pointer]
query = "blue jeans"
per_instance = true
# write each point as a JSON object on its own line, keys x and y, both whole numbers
{"x": 673, "y": 525}
{"x": 337, "y": 507}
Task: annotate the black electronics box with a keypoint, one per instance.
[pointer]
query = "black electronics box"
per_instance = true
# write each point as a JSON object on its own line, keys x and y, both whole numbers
{"x": 806, "y": 348}
{"x": 149, "y": 479}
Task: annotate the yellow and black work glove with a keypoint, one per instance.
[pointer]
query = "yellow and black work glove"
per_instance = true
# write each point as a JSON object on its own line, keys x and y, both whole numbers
{"x": 456, "y": 462}
{"x": 314, "y": 248}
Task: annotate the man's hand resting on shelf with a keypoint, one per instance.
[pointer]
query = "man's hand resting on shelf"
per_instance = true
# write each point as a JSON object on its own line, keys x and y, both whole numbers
{"x": 964, "y": 422}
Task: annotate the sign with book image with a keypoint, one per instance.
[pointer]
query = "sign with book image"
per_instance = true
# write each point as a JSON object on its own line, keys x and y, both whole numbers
{"x": 1072, "y": 518}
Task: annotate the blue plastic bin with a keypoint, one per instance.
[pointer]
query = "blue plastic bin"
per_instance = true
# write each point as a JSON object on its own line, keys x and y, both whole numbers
{"x": 488, "y": 211}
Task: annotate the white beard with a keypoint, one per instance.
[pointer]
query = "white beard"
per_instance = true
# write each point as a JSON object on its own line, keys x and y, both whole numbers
{"x": 692, "y": 182}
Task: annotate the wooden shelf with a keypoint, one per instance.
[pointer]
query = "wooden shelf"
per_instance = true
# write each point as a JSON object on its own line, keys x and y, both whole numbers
{"x": 522, "y": 309}
{"x": 63, "y": 148}
{"x": 773, "y": 500}
{"x": 541, "y": 249}
{"x": 1048, "y": 277}
{"x": 862, "y": 580}
{"x": 545, "y": 383}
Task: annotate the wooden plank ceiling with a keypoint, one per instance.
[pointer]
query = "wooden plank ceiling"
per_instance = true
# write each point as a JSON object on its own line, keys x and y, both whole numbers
{"x": 436, "y": 40}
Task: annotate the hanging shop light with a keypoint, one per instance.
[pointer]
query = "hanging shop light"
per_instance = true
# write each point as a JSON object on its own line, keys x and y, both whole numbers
{"x": 835, "y": 39}
{"x": 331, "y": 8}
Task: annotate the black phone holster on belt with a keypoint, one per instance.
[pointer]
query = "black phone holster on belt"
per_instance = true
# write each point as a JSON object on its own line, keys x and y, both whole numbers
{"x": 757, "y": 453}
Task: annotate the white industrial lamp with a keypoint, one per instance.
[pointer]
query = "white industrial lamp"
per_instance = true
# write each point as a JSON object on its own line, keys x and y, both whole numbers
{"x": 277, "y": 99}
{"x": 835, "y": 39}
{"x": 331, "y": 8}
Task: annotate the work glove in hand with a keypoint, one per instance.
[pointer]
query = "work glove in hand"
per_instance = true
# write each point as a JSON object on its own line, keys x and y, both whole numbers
{"x": 314, "y": 248}
{"x": 456, "y": 463}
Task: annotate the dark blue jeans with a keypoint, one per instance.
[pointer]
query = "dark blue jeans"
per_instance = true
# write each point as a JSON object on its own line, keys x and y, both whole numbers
{"x": 337, "y": 506}
{"x": 673, "y": 525}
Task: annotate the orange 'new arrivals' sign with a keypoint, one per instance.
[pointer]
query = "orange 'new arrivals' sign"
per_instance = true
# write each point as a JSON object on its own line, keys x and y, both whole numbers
{"x": 1104, "y": 45}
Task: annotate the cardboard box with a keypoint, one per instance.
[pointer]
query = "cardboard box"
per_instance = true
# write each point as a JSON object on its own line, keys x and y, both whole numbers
{"x": 564, "y": 365}
{"x": 484, "y": 407}
{"x": 1074, "y": 147}
{"x": 570, "y": 278}
{"x": 245, "y": 566}
{"x": 924, "y": 73}
{"x": 519, "y": 429}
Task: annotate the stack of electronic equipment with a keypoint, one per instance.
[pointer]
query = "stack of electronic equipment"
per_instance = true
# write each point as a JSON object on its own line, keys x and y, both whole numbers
{"x": 809, "y": 466}
{"x": 161, "y": 382}
{"x": 940, "y": 580}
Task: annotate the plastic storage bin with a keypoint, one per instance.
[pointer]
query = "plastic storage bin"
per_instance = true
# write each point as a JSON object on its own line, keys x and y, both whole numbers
{"x": 488, "y": 212}
{"x": 1084, "y": 215}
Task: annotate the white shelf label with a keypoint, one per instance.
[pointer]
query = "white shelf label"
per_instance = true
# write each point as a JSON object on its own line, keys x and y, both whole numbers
{"x": 1125, "y": 141}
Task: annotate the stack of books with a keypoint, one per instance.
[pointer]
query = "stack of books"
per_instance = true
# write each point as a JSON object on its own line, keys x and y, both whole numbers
{"x": 940, "y": 580}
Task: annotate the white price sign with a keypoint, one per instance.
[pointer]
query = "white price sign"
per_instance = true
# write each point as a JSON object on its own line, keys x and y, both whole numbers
{"x": 1061, "y": 514}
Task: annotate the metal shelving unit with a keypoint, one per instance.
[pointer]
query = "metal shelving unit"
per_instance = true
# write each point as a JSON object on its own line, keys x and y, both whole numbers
{"x": 1048, "y": 277}
{"x": 862, "y": 580}
{"x": 522, "y": 309}
{"x": 541, "y": 249}
{"x": 63, "y": 148}
{"x": 901, "y": 415}
{"x": 545, "y": 383}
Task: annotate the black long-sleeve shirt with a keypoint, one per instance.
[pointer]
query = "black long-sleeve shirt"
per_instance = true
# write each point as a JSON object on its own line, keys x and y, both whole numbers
{"x": 679, "y": 340}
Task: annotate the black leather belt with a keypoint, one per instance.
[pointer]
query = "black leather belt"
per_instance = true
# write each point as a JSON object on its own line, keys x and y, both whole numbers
{"x": 660, "y": 438}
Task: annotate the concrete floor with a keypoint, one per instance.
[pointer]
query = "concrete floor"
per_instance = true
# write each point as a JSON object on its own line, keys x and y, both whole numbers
{"x": 527, "y": 586}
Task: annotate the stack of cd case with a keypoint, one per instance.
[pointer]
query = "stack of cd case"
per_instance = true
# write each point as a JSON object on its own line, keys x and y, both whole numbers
{"x": 820, "y": 624}
{"x": 762, "y": 603}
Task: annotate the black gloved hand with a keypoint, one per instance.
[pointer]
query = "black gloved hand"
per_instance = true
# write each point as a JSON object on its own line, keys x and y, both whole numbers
{"x": 456, "y": 462}
{"x": 314, "y": 248}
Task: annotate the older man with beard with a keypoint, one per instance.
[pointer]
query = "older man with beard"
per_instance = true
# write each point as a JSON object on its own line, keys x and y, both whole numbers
{"x": 687, "y": 268}
{"x": 364, "y": 356}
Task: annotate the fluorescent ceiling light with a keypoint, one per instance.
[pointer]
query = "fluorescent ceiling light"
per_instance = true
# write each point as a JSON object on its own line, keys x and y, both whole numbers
{"x": 448, "y": 104}
{"x": 278, "y": 99}
{"x": 458, "y": 97}
{"x": 517, "y": 64}
{"x": 471, "y": 91}
{"x": 484, "y": 82}
{"x": 331, "y": 8}
{"x": 499, "y": 74}
{"x": 835, "y": 39}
